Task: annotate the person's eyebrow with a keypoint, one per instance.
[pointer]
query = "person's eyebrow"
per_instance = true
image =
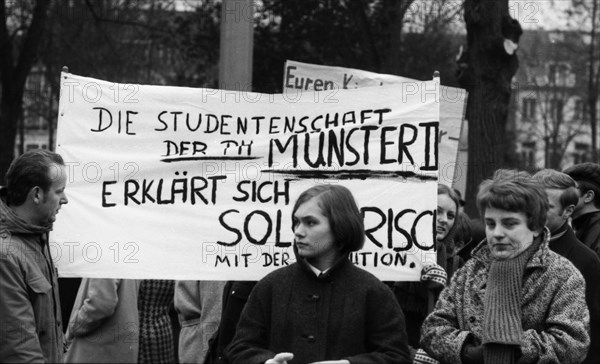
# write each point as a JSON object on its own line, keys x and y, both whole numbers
{"x": 305, "y": 217}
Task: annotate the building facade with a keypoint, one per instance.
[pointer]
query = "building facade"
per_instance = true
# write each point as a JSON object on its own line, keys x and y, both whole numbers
{"x": 550, "y": 120}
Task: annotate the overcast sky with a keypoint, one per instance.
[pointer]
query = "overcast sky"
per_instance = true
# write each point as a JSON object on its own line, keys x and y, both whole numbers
{"x": 533, "y": 14}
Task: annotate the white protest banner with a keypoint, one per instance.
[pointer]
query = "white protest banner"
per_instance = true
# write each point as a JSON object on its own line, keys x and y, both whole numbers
{"x": 299, "y": 77}
{"x": 181, "y": 183}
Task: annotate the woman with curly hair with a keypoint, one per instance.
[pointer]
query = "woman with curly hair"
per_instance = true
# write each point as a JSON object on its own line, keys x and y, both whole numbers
{"x": 514, "y": 300}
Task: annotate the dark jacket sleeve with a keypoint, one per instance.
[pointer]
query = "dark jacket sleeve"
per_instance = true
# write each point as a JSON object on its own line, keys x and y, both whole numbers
{"x": 592, "y": 294}
{"x": 591, "y": 238}
{"x": 387, "y": 341}
{"x": 249, "y": 345}
{"x": 19, "y": 342}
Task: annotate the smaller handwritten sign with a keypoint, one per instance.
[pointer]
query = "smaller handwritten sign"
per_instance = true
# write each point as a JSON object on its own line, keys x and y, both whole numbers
{"x": 301, "y": 77}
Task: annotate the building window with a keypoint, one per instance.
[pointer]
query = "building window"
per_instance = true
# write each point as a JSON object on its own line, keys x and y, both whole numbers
{"x": 581, "y": 153}
{"x": 33, "y": 122}
{"x": 528, "y": 153}
{"x": 581, "y": 110}
{"x": 578, "y": 110}
{"x": 529, "y": 107}
{"x": 556, "y": 110}
{"x": 557, "y": 73}
{"x": 552, "y": 73}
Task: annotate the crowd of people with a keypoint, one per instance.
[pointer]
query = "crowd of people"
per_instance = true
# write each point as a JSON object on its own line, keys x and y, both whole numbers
{"x": 516, "y": 285}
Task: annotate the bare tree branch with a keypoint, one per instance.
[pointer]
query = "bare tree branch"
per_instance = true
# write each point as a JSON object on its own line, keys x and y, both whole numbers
{"x": 98, "y": 18}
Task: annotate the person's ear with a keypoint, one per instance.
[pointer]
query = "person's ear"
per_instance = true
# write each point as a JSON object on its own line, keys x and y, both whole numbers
{"x": 568, "y": 212}
{"x": 36, "y": 195}
{"x": 588, "y": 196}
{"x": 539, "y": 231}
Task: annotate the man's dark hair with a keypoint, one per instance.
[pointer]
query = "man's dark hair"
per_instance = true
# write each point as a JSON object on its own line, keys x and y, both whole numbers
{"x": 587, "y": 176}
{"x": 29, "y": 170}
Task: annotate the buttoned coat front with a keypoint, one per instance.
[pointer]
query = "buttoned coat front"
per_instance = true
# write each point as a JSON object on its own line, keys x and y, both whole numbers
{"x": 554, "y": 313}
{"x": 345, "y": 314}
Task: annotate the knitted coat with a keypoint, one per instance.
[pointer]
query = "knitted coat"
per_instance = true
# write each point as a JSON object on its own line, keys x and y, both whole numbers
{"x": 346, "y": 313}
{"x": 30, "y": 316}
{"x": 564, "y": 242}
{"x": 554, "y": 315}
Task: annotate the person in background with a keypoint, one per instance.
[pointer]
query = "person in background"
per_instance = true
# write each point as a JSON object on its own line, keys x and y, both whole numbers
{"x": 461, "y": 201}
{"x": 469, "y": 232}
{"x": 446, "y": 225}
{"x": 155, "y": 300}
{"x": 235, "y": 296}
{"x": 586, "y": 216}
{"x": 198, "y": 306}
{"x": 562, "y": 198}
{"x": 463, "y": 234}
{"x": 30, "y": 312}
{"x": 321, "y": 308}
{"x": 104, "y": 326}
{"x": 417, "y": 298}
{"x": 68, "y": 288}
{"x": 515, "y": 300}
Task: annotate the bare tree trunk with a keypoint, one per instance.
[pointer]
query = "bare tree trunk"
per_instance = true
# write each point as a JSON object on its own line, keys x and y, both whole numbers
{"x": 593, "y": 84}
{"x": 50, "y": 118}
{"x": 487, "y": 76}
{"x": 398, "y": 10}
{"x": 371, "y": 55}
{"x": 555, "y": 157}
{"x": 13, "y": 77}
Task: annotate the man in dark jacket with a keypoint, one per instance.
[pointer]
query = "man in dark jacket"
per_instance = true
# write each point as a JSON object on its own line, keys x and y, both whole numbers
{"x": 562, "y": 197}
{"x": 30, "y": 314}
{"x": 586, "y": 217}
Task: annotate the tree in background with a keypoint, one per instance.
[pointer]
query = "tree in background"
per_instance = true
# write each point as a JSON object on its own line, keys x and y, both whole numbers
{"x": 177, "y": 42}
{"x": 373, "y": 35}
{"x": 587, "y": 13}
{"x": 128, "y": 42}
{"x": 551, "y": 87}
{"x": 21, "y": 31}
{"x": 558, "y": 94}
{"x": 486, "y": 70}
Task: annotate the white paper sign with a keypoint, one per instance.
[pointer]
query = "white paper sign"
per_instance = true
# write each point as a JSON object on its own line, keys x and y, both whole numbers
{"x": 183, "y": 183}
{"x": 300, "y": 77}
